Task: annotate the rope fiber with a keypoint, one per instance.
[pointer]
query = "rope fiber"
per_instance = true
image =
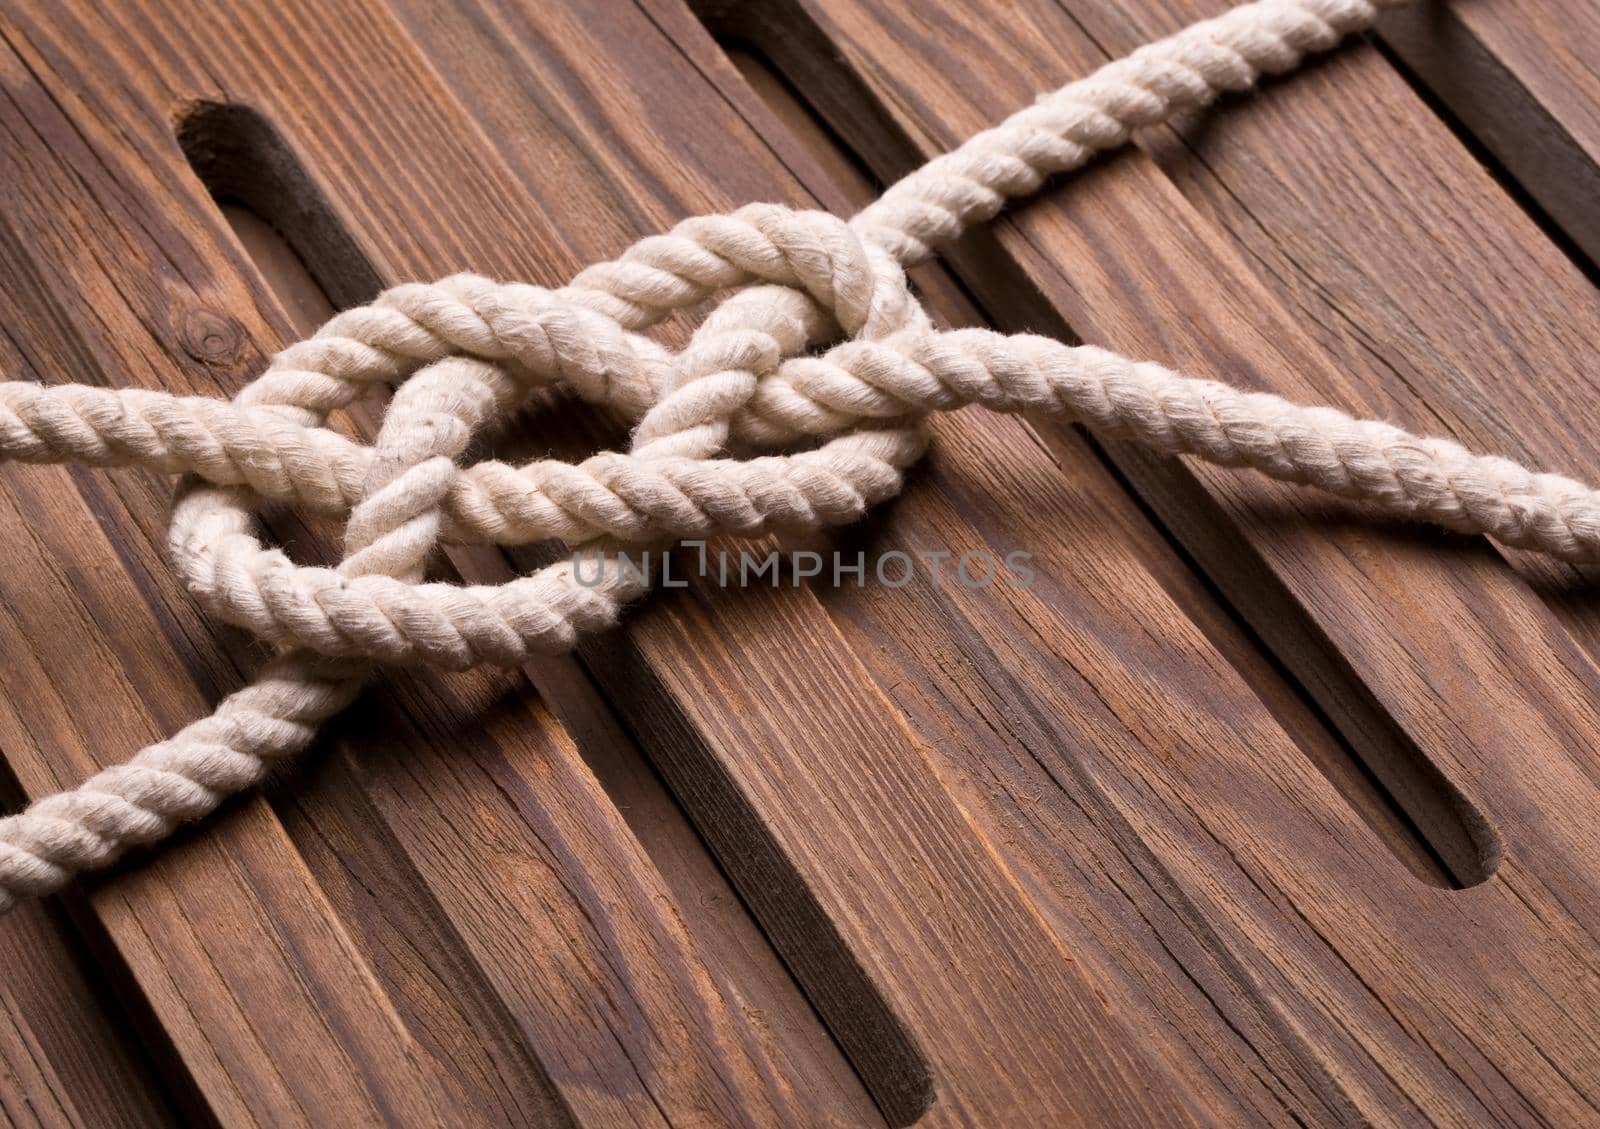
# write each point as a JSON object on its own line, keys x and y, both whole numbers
{"x": 467, "y": 350}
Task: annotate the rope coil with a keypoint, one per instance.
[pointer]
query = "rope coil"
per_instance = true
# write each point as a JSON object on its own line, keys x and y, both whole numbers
{"x": 466, "y": 351}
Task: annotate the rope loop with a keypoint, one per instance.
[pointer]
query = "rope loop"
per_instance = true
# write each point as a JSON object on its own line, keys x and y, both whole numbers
{"x": 466, "y": 352}
{"x": 815, "y": 336}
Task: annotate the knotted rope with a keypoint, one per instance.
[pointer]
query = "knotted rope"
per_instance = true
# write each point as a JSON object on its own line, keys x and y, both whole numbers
{"x": 467, "y": 350}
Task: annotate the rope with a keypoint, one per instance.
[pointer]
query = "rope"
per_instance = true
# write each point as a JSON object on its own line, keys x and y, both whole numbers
{"x": 467, "y": 350}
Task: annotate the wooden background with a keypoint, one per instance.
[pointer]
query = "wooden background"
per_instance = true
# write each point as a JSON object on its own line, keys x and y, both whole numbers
{"x": 1253, "y": 810}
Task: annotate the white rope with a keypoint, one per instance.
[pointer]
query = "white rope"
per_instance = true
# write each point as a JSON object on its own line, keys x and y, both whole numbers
{"x": 466, "y": 351}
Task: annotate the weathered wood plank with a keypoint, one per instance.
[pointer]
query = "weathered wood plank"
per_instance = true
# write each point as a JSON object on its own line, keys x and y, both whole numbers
{"x": 65, "y": 1058}
{"x": 691, "y": 732}
{"x": 1153, "y": 273}
{"x": 524, "y": 869}
{"x": 1286, "y": 702}
{"x": 1523, "y": 76}
{"x": 1045, "y": 854}
{"x": 702, "y": 738}
{"x": 103, "y": 654}
{"x": 495, "y": 1006}
{"x": 487, "y": 80}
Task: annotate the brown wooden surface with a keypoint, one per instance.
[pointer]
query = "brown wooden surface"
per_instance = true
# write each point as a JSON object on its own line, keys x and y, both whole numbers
{"x": 1522, "y": 77}
{"x": 1252, "y": 810}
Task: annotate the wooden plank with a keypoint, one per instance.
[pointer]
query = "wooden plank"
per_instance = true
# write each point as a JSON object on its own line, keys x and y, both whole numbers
{"x": 1473, "y": 311}
{"x": 1156, "y": 273}
{"x": 632, "y": 999}
{"x": 970, "y": 1081}
{"x": 399, "y": 927}
{"x": 1523, "y": 76}
{"x": 795, "y": 853}
{"x": 1052, "y": 1085}
{"x": 1044, "y": 855}
{"x": 103, "y": 654}
{"x": 440, "y": 993}
{"x": 64, "y": 1059}
{"x": 838, "y": 167}
{"x": 747, "y": 779}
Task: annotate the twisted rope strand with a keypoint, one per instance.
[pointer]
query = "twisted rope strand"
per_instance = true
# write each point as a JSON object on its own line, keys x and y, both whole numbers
{"x": 466, "y": 350}
{"x": 637, "y": 500}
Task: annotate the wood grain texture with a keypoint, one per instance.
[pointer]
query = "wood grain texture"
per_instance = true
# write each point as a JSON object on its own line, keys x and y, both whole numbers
{"x": 1523, "y": 77}
{"x": 1134, "y": 262}
{"x": 555, "y": 988}
{"x": 1140, "y": 844}
{"x": 66, "y": 1057}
